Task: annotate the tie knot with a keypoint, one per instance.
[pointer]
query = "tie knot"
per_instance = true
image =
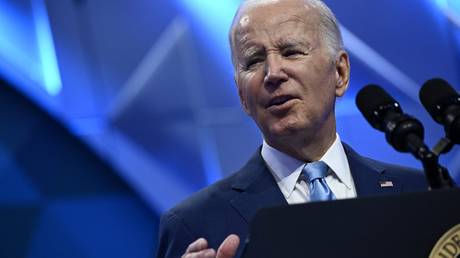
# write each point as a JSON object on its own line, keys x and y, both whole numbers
{"x": 315, "y": 170}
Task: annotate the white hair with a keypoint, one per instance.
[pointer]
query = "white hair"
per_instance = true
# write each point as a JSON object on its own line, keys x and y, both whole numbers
{"x": 329, "y": 26}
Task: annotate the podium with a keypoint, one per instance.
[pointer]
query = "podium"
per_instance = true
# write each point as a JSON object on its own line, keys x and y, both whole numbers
{"x": 423, "y": 224}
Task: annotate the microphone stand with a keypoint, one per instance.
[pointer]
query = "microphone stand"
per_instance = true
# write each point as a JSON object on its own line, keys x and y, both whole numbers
{"x": 437, "y": 176}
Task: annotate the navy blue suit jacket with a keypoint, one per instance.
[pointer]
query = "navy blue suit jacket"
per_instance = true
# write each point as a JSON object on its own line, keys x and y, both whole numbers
{"x": 227, "y": 206}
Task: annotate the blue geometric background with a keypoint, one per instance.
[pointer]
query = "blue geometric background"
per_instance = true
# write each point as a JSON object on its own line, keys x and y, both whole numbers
{"x": 141, "y": 109}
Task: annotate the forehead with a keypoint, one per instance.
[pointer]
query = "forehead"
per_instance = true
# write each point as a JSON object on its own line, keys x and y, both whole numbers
{"x": 274, "y": 18}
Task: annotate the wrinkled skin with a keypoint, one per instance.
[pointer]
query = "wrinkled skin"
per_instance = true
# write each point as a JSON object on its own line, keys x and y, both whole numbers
{"x": 287, "y": 78}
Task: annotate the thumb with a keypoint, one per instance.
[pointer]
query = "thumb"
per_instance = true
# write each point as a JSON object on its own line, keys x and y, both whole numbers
{"x": 228, "y": 248}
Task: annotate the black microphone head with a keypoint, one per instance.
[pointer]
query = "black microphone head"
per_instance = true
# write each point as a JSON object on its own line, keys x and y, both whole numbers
{"x": 385, "y": 114}
{"x": 371, "y": 100}
{"x": 433, "y": 94}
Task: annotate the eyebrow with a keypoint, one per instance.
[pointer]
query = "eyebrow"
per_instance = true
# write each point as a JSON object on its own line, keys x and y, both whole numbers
{"x": 252, "y": 51}
{"x": 288, "y": 43}
{"x": 250, "y": 48}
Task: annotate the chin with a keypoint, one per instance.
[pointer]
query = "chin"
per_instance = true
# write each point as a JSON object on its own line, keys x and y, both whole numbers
{"x": 280, "y": 130}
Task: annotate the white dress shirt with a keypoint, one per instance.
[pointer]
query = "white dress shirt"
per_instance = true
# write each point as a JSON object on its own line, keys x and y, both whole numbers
{"x": 287, "y": 169}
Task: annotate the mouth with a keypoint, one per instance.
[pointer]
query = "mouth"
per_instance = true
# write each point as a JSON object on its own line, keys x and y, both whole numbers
{"x": 279, "y": 101}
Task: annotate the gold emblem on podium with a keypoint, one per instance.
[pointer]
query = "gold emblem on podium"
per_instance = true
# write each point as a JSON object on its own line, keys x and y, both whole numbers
{"x": 449, "y": 245}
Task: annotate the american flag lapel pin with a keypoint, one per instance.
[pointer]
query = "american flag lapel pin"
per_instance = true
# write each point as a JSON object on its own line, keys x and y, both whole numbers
{"x": 386, "y": 183}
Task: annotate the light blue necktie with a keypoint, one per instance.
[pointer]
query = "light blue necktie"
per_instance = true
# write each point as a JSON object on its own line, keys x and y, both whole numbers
{"x": 315, "y": 174}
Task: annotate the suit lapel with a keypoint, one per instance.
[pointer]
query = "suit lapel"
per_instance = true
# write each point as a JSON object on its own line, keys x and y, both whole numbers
{"x": 257, "y": 187}
{"x": 370, "y": 177}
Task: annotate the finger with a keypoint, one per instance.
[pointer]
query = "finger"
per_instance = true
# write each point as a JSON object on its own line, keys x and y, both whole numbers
{"x": 207, "y": 253}
{"x": 228, "y": 248}
{"x": 198, "y": 245}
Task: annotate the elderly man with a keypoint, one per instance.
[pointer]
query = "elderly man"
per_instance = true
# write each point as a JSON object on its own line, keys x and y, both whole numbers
{"x": 290, "y": 66}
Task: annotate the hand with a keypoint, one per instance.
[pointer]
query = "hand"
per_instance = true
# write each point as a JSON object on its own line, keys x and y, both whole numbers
{"x": 199, "y": 248}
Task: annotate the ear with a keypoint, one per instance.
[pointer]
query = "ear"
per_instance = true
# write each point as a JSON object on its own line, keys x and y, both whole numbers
{"x": 243, "y": 102}
{"x": 342, "y": 65}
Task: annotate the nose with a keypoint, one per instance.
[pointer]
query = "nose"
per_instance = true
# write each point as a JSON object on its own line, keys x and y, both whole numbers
{"x": 275, "y": 74}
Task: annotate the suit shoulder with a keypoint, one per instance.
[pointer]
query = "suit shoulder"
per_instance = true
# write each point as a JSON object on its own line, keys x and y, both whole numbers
{"x": 388, "y": 168}
{"x": 413, "y": 179}
{"x": 396, "y": 169}
{"x": 211, "y": 197}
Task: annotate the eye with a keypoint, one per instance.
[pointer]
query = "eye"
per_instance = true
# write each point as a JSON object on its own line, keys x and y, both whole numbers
{"x": 292, "y": 52}
{"x": 251, "y": 62}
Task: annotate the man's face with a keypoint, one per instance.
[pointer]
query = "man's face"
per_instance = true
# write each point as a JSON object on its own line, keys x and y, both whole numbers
{"x": 285, "y": 73}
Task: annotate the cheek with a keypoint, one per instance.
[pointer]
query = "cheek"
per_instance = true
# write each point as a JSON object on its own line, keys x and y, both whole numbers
{"x": 246, "y": 98}
{"x": 319, "y": 95}
{"x": 250, "y": 89}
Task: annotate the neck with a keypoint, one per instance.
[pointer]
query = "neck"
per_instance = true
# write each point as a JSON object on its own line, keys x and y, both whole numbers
{"x": 306, "y": 147}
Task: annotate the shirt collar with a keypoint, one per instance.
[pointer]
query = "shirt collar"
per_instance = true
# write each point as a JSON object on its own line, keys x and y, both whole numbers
{"x": 337, "y": 161}
{"x": 284, "y": 168}
{"x": 287, "y": 169}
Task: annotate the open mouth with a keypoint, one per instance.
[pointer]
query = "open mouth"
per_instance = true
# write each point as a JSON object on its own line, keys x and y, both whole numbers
{"x": 278, "y": 101}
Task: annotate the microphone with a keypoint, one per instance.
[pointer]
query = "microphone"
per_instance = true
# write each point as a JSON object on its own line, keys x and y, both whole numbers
{"x": 405, "y": 133}
{"x": 443, "y": 104}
